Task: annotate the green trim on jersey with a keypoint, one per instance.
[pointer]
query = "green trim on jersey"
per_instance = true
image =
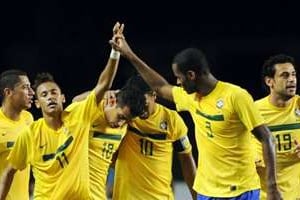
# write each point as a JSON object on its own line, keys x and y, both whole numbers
{"x": 156, "y": 136}
{"x": 284, "y": 127}
{"x": 210, "y": 117}
{"x": 106, "y": 136}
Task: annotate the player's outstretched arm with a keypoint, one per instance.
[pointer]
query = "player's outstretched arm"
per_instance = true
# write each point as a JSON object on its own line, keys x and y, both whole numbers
{"x": 154, "y": 80}
{"x": 108, "y": 74}
{"x": 5, "y": 181}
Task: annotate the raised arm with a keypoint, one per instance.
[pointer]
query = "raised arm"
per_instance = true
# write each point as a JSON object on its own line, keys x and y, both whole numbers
{"x": 5, "y": 181}
{"x": 263, "y": 134}
{"x": 108, "y": 74}
{"x": 153, "y": 79}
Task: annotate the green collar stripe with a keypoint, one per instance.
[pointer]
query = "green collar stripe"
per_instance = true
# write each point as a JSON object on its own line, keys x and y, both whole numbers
{"x": 284, "y": 127}
{"x": 155, "y": 136}
{"x": 210, "y": 117}
{"x": 107, "y": 136}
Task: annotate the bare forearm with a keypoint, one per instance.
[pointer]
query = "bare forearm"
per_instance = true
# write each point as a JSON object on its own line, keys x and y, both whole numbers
{"x": 188, "y": 167}
{"x": 106, "y": 78}
{"x": 154, "y": 80}
{"x": 270, "y": 160}
{"x": 5, "y": 182}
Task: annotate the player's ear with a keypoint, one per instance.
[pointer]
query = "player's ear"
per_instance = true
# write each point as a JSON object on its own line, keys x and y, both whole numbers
{"x": 268, "y": 81}
{"x": 37, "y": 103}
{"x": 191, "y": 75}
{"x": 63, "y": 98}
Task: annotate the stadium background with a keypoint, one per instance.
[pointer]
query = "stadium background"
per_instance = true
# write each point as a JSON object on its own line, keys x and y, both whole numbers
{"x": 70, "y": 39}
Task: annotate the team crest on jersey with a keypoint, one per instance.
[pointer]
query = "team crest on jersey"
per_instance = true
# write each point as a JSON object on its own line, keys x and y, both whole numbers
{"x": 297, "y": 112}
{"x": 163, "y": 125}
{"x": 220, "y": 103}
{"x": 66, "y": 131}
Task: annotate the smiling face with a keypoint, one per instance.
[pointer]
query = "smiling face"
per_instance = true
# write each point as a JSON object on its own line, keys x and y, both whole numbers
{"x": 284, "y": 82}
{"x": 21, "y": 95}
{"x": 49, "y": 98}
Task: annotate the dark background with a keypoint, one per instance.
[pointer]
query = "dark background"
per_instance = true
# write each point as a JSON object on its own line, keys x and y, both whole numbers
{"x": 70, "y": 38}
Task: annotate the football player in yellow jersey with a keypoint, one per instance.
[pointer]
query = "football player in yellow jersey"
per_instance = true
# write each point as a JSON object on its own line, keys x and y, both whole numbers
{"x": 224, "y": 116}
{"x": 143, "y": 168}
{"x": 56, "y": 146}
{"x": 104, "y": 139}
{"x": 16, "y": 95}
{"x": 281, "y": 111}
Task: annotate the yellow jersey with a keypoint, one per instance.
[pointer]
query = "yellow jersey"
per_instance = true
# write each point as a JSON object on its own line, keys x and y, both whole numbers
{"x": 59, "y": 158}
{"x": 143, "y": 168}
{"x": 284, "y": 123}
{"x": 103, "y": 143}
{"x": 223, "y": 122}
{"x": 9, "y": 130}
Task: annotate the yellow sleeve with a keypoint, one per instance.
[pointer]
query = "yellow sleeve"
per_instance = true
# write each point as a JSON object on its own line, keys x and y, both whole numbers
{"x": 179, "y": 96}
{"x": 178, "y": 127}
{"x": 87, "y": 109}
{"x": 248, "y": 113}
{"x": 22, "y": 151}
{"x": 179, "y": 132}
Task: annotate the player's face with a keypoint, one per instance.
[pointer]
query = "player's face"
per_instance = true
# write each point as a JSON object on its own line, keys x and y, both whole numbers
{"x": 117, "y": 116}
{"x": 49, "y": 98}
{"x": 284, "y": 82}
{"x": 150, "y": 104}
{"x": 22, "y": 94}
{"x": 184, "y": 81}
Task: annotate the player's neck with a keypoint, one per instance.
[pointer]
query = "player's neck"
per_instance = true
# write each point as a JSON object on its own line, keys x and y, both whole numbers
{"x": 207, "y": 85}
{"x": 11, "y": 111}
{"x": 278, "y": 101}
{"x": 53, "y": 121}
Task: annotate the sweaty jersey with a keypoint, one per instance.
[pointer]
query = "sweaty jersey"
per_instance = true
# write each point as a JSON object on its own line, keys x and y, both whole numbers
{"x": 284, "y": 123}
{"x": 103, "y": 143}
{"x": 9, "y": 130}
{"x": 143, "y": 168}
{"x": 223, "y": 122}
{"x": 59, "y": 158}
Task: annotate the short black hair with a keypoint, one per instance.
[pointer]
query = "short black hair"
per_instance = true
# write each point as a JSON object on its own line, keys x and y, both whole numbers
{"x": 192, "y": 59}
{"x": 9, "y": 78}
{"x": 268, "y": 68}
{"x": 134, "y": 99}
{"x": 42, "y": 78}
{"x": 138, "y": 83}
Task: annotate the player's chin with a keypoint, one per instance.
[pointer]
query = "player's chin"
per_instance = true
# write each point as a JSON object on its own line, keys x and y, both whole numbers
{"x": 27, "y": 105}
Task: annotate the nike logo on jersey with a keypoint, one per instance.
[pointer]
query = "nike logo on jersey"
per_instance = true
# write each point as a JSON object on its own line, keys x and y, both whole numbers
{"x": 42, "y": 146}
{"x": 95, "y": 125}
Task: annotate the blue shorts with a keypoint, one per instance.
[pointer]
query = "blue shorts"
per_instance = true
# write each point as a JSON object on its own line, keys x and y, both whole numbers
{"x": 250, "y": 195}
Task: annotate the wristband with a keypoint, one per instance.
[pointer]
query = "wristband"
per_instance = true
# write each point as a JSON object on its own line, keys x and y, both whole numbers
{"x": 114, "y": 54}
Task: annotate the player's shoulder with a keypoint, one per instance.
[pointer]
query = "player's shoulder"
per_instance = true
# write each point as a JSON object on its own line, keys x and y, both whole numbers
{"x": 27, "y": 115}
{"x": 166, "y": 111}
{"x": 261, "y": 101}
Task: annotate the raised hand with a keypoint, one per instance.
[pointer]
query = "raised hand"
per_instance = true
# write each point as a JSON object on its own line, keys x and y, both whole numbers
{"x": 119, "y": 43}
{"x": 117, "y": 31}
